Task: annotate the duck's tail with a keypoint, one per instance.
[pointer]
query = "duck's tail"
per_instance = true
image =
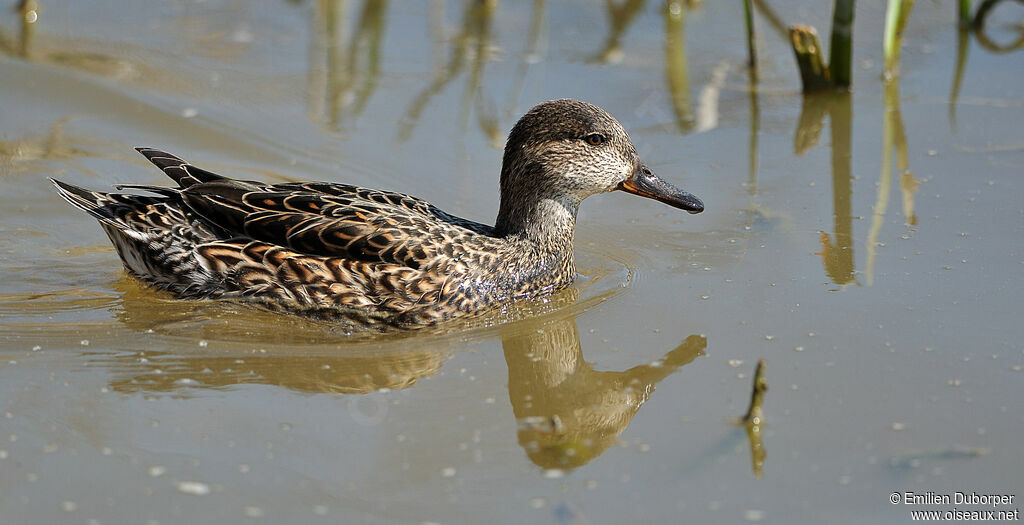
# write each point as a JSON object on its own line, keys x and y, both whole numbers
{"x": 107, "y": 208}
{"x": 155, "y": 236}
{"x": 111, "y": 208}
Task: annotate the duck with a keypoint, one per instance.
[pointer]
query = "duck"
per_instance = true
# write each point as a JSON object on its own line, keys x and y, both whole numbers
{"x": 375, "y": 259}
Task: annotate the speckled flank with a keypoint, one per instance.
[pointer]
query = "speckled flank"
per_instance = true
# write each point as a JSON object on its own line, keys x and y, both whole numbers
{"x": 370, "y": 258}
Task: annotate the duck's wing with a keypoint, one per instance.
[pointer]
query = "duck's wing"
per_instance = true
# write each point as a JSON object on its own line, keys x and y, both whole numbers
{"x": 320, "y": 218}
{"x": 334, "y": 220}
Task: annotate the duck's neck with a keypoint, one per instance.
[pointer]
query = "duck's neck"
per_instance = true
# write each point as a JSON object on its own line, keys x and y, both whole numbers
{"x": 539, "y": 253}
{"x": 541, "y": 224}
{"x": 544, "y": 220}
{"x": 532, "y": 207}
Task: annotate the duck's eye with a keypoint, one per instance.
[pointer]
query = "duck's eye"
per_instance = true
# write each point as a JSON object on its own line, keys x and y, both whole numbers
{"x": 594, "y": 139}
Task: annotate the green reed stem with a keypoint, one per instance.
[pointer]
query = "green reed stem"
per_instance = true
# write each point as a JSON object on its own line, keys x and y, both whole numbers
{"x": 748, "y": 16}
{"x": 896, "y": 16}
{"x": 840, "y": 63}
{"x": 964, "y": 13}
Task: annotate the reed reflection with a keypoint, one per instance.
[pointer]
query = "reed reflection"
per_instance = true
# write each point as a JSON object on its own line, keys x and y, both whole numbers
{"x": 977, "y": 28}
{"x": 533, "y": 52}
{"x": 752, "y": 144}
{"x": 55, "y": 144}
{"x": 836, "y": 247}
{"x": 343, "y": 76}
{"x": 620, "y": 17}
{"x": 471, "y": 47}
{"x": 962, "y": 47}
{"x": 986, "y": 8}
{"x": 894, "y": 138}
{"x": 29, "y": 11}
{"x": 567, "y": 412}
{"x": 108, "y": 58}
{"x": 677, "y": 71}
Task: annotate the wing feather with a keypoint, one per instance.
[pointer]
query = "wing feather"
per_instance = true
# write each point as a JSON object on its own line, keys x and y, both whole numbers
{"x": 331, "y": 219}
{"x": 319, "y": 218}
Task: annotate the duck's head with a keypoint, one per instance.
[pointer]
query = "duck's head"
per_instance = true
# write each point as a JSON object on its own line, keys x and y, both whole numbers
{"x": 566, "y": 150}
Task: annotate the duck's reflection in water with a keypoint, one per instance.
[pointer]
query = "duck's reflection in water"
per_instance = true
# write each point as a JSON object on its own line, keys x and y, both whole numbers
{"x": 569, "y": 413}
{"x": 211, "y": 344}
{"x": 312, "y": 374}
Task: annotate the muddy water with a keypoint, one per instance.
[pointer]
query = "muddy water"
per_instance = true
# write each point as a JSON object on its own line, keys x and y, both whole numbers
{"x": 868, "y": 247}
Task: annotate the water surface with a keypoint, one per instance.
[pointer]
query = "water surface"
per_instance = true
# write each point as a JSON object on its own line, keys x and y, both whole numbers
{"x": 867, "y": 246}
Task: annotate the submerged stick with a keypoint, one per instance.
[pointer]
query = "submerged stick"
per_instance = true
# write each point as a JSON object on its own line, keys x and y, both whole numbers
{"x": 754, "y": 414}
{"x": 753, "y": 419}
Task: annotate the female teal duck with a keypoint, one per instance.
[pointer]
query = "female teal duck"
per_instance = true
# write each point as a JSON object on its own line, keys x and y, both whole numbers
{"x": 371, "y": 258}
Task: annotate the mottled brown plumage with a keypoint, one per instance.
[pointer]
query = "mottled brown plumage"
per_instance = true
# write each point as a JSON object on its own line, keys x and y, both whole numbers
{"x": 371, "y": 258}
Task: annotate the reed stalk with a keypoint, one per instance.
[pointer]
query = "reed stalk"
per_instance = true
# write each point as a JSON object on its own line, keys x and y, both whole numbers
{"x": 840, "y": 62}
{"x": 964, "y": 13}
{"x": 748, "y": 17}
{"x": 814, "y": 73}
{"x": 896, "y": 16}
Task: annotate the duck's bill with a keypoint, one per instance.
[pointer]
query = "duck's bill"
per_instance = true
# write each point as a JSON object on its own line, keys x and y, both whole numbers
{"x": 646, "y": 184}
